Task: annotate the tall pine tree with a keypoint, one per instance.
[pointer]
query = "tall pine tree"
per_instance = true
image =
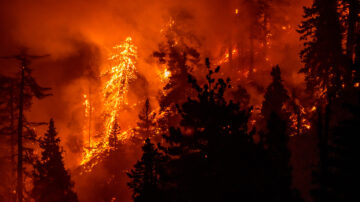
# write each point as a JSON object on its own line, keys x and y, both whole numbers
{"x": 276, "y": 139}
{"x": 325, "y": 69}
{"x": 51, "y": 181}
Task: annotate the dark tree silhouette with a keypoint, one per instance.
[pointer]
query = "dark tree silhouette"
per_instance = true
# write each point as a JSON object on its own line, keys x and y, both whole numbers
{"x": 146, "y": 126}
{"x": 276, "y": 139}
{"x": 212, "y": 156}
{"x": 146, "y": 173}
{"x": 325, "y": 68}
{"x": 9, "y": 113}
{"x": 333, "y": 177}
{"x": 275, "y": 96}
{"x": 342, "y": 153}
{"x": 51, "y": 181}
{"x": 180, "y": 57}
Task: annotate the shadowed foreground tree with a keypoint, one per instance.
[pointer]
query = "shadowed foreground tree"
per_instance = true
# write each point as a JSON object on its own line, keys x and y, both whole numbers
{"x": 343, "y": 153}
{"x": 275, "y": 96}
{"x": 212, "y": 157}
{"x": 51, "y": 181}
{"x": 145, "y": 175}
{"x": 146, "y": 125}
{"x": 180, "y": 56}
{"x": 333, "y": 178}
{"x": 276, "y": 140}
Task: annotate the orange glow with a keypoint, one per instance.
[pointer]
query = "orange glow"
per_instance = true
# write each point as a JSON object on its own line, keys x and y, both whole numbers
{"x": 117, "y": 76}
{"x": 299, "y": 122}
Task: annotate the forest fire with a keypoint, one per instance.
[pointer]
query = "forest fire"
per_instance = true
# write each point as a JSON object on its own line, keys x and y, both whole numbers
{"x": 118, "y": 75}
{"x": 239, "y": 100}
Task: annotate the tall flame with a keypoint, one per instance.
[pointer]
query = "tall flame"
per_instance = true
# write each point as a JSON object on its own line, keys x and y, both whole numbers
{"x": 117, "y": 76}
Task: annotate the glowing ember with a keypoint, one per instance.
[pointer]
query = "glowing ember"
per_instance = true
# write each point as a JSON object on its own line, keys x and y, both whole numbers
{"x": 299, "y": 122}
{"x": 226, "y": 58}
{"x": 117, "y": 77}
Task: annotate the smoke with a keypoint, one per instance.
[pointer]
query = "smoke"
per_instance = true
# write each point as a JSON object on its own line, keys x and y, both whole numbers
{"x": 78, "y": 34}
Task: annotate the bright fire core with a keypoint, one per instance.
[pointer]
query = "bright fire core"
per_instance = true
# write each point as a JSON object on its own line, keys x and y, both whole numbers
{"x": 117, "y": 76}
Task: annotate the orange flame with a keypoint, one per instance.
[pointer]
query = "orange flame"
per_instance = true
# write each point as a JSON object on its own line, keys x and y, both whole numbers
{"x": 118, "y": 75}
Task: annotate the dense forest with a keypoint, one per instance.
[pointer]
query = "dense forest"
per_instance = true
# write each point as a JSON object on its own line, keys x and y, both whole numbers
{"x": 242, "y": 100}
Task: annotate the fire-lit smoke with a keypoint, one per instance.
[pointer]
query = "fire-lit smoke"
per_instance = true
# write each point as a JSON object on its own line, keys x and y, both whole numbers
{"x": 95, "y": 83}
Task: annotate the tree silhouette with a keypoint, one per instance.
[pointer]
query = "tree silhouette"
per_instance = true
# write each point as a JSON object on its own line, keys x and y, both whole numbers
{"x": 9, "y": 113}
{"x": 146, "y": 125}
{"x": 275, "y": 96}
{"x": 180, "y": 57}
{"x": 324, "y": 62}
{"x": 342, "y": 153}
{"x": 51, "y": 181}
{"x": 213, "y": 156}
{"x": 333, "y": 175}
{"x": 146, "y": 173}
{"x": 276, "y": 139}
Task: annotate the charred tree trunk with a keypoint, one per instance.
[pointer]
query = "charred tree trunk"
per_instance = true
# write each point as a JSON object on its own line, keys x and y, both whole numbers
{"x": 12, "y": 139}
{"x": 20, "y": 148}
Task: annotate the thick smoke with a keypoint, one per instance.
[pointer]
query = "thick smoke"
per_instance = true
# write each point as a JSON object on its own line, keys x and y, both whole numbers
{"x": 78, "y": 34}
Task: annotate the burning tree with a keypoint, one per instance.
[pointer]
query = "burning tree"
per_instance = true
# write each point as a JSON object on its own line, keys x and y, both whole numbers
{"x": 179, "y": 57}
{"x": 118, "y": 77}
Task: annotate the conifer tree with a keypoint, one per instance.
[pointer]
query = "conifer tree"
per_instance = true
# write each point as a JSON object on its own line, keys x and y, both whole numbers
{"x": 212, "y": 156}
{"x": 276, "y": 139}
{"x": 275, "y": 96}
{"x": 146, "y": 173}
{"x": 322, "y": 55}
{"x": 50, "y": 179}
{"x": 180, "y": 57}
{"x": 146, "y": 125}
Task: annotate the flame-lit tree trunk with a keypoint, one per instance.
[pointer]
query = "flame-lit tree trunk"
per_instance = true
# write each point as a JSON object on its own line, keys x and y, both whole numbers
{"x": 352, "y": 26}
